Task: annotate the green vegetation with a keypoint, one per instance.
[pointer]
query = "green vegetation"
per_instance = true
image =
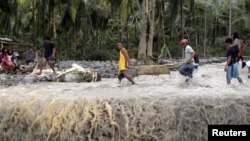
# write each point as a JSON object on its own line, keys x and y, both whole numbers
{"x": 90, "y": 29}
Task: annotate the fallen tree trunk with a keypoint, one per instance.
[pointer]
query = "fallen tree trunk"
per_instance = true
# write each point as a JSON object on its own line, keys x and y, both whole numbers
{"x": 79, "y": 74}
{"x": 74, "y": 74}
{"x": 152, "y": 70}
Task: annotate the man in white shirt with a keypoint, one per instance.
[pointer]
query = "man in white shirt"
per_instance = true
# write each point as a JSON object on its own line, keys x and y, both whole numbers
{"x": 187, "y": 68}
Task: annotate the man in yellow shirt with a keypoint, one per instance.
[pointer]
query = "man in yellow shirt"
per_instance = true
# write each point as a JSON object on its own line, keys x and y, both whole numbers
{"x": 124, "y": 64}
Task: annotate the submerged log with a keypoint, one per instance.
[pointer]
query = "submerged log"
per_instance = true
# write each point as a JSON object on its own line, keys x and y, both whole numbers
{"x": 152, "y": 70}
{"x": 74, "y": 74}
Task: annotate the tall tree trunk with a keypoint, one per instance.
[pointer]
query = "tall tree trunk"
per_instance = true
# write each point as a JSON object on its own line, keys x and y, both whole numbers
{"x": 164, "y": 47}
{"x": 34, "y": 22}
{"x": 147, "y": 32}
{"x": 192, "y": 9}
{"x": 230, "y": 19}
{"x": 127, "y": 27}
{"x": 74, "y": 36}
{"x": 143, "y": 36}
{"x": 43, "y": 17}
{"x": 52, "y": 18}
{"x": 151, "y": 15}
{"x": 205, "y": 31}
{"x": 215, "y": 30}
{"x": 124, "y": 12}
{"x": 127, "y": 35}
{"x": 182, "y": 31}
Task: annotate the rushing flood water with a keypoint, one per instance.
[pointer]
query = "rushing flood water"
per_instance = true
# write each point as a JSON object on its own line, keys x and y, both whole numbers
{"x": 158, "y": 108}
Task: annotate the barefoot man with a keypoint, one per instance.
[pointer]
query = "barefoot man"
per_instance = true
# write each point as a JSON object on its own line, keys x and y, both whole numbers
{"x": 231, "y": 67}
{"x": 124, "y": 64}
{"x": 49, "y": 52}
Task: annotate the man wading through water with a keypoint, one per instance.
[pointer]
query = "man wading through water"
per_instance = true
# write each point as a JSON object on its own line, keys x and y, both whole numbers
{"x": 124, "y": 64}
{"x": 187, "y": 68}
{"x": 231, "y": 67}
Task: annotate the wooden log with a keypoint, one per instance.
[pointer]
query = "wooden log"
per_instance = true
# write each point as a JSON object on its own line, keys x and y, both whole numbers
{"x": 173, "y": 66}
{"x": 74, "y": 74}
{"x": 152, "y": 70}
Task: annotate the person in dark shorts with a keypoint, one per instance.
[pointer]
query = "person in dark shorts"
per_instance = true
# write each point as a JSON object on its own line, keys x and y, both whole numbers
{"x": 120, "y": 76}
{"x": 187, "y": 67}
{"x": 124, "y": 64}
{"x": 231, "y": 67}
{"x": 49, "y": 52}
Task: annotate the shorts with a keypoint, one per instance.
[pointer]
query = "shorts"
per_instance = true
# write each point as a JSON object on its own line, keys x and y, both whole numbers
{"x": 232, "y": 72}
{"x": 50, "y": 58}
{"x": 187, "y": 70}
{"x": 120, "y": 76}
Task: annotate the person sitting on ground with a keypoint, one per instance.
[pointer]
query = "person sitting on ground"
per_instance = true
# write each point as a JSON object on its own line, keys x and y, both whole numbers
{"x": 7, "y": 63}
{"x": 13, "y": 57}
{"x": 29, "y": 56}
{"x": 49, "y": 52}
{"x": 3, "y": 54}
{"x": 15, "y": 52}
{"x": 187, "y": 68}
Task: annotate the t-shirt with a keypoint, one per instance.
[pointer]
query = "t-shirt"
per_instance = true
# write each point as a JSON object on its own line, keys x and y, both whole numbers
{"x": 233, "y": 52}
{"x": 237, "y": 41}
{"x": 48, "y": 49}
{"x": 29, "y": 55}
{"x": 188, "y": 53}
